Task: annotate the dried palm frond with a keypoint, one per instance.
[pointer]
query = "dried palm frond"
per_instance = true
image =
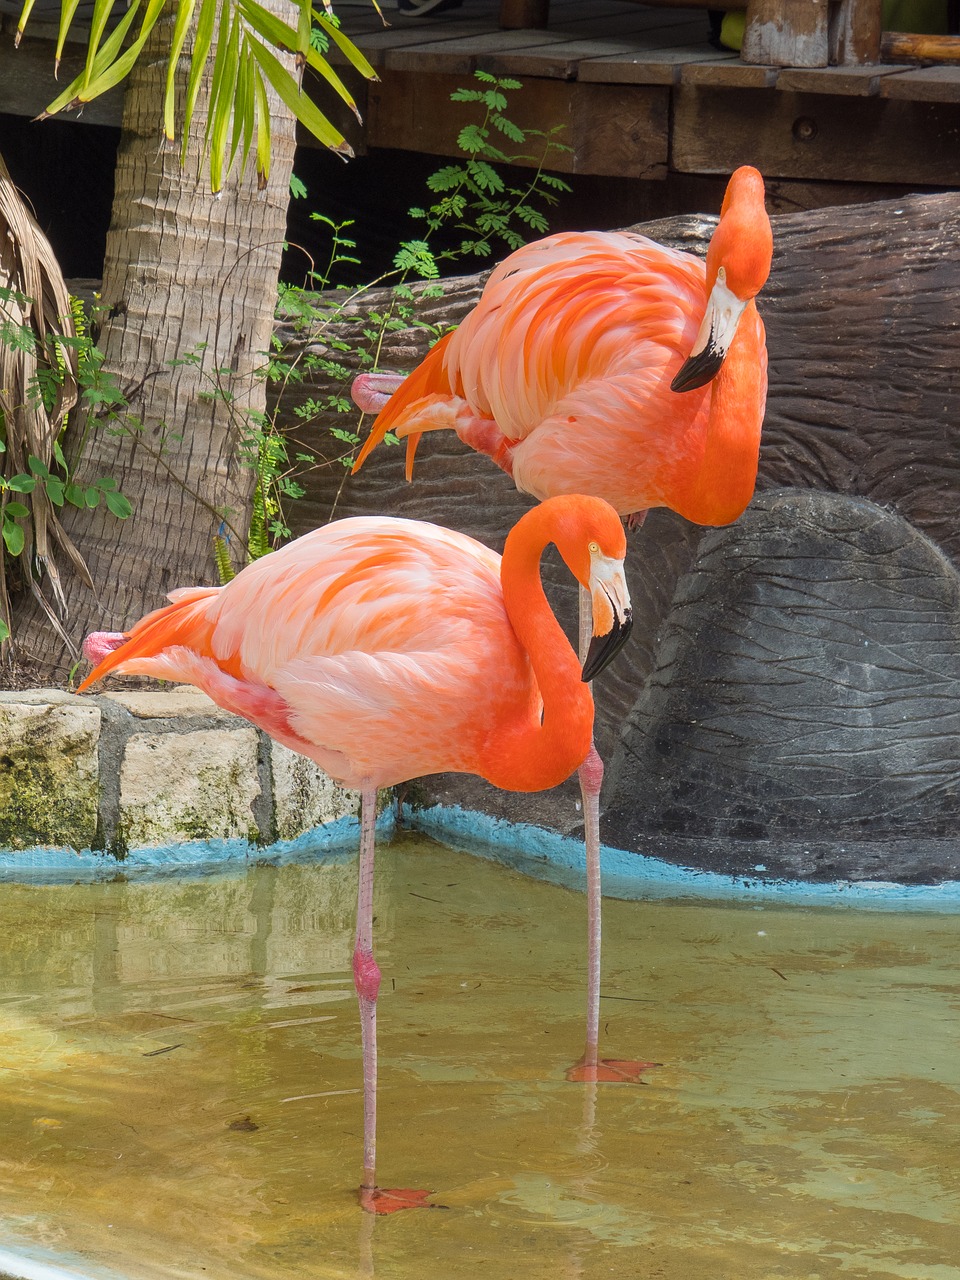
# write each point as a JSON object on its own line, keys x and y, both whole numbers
{"x": 38, "y": 387}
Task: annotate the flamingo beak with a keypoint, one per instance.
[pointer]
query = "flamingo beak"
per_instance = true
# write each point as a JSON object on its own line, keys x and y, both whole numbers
{"x": 717, "y": 330}
{"x": 612, "y": 615}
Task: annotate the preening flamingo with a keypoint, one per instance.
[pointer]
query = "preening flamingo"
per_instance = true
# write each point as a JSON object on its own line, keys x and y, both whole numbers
{"x": 605, "y": 363}
{"x": 385, "y": 649}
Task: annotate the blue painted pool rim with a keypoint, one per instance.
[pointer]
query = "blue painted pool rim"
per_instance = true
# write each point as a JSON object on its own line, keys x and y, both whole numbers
{"x": 529, "y": 850}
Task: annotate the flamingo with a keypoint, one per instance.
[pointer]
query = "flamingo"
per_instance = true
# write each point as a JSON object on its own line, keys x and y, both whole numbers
{"x": 384, "y": 649}
{"x": 605, "y": 363}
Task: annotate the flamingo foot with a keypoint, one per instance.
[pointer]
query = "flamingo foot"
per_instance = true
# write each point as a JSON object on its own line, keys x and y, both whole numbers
{"x": 609, "y": 1070}
{"x": 392, "y": 1199}
{"x": 634, "y": 520}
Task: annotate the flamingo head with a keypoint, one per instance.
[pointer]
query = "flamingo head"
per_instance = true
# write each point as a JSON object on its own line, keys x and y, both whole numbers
{"x": 738, "y": 263}
{"x": 590, "y": 538}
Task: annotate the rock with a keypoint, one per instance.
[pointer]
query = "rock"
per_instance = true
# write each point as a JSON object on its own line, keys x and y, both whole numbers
{"x": 48, "y": 771}
{"x": 197, "y": 785}
{"x": 304, "y": 796}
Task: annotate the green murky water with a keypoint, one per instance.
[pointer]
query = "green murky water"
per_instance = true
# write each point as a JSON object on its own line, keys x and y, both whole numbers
{"x": 180, "y": 1075}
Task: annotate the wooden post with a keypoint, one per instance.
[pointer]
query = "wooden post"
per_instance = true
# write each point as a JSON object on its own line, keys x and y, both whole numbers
{"x": 524, "y": 15}
{"x": 855, "y": 32}
{"x": 786, "y": 33}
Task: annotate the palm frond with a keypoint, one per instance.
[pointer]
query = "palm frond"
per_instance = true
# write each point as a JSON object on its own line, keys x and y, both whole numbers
{"x": 251, "y": 49}
{"x": 38, "y": 387}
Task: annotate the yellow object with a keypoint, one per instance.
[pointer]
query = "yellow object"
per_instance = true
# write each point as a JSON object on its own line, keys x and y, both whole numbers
{"x": 731, "y": 31}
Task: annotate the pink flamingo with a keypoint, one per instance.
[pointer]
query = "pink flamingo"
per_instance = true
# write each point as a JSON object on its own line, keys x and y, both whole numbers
{"x": 385, "y": 649}
{"x": 605, "y": 363}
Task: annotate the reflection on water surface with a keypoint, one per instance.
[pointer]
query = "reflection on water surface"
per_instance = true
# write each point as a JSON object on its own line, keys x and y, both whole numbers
{"x": 180, "y": 1074}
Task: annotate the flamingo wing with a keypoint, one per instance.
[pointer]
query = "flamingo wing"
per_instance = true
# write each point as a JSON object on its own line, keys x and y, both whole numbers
{"x": 378, "y": 647}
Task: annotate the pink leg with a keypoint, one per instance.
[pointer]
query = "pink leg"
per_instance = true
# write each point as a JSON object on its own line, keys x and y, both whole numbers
{"x": 366, "y": 981}
{"x": 371, "y": 391}
{"x": 591, "y": 1067}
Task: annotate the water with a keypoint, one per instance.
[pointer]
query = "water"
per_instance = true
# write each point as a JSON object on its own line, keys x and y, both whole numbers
{"x": 180, "y": 1076}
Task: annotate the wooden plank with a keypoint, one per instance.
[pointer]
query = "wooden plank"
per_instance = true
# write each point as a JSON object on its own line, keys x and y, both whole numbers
{"x": 855, "y": 82}
{"x": 616, "y": 130}
{"x": 657, "y": 66}
{"x": 458, "y": 56}
{"x": 929, "y": 84}
{"x": 377, "y": 45}
{"x": 728, "y": 73}
{"x": 563, "y": 61}
{"x": 793, "y": 135}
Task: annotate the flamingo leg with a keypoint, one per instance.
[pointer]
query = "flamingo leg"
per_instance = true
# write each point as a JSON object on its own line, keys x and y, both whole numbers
{"x": 591, "y": 1067}
{"x": 366, "y": 981}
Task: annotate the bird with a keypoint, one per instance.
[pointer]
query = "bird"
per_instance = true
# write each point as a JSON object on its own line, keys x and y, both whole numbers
{"x": 384, "y": 649}
{"x": 607, "y": 364}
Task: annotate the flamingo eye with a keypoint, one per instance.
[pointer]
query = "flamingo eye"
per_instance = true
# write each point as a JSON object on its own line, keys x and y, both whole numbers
{"x": 594, "y": 548}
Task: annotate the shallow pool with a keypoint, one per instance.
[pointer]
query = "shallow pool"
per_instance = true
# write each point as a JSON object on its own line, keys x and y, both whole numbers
{"x": 180, "y": 1074}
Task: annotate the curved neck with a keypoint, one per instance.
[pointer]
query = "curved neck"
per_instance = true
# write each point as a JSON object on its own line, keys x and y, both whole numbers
{"x": 529, "y": 755}
{"x": 731, "y": 447}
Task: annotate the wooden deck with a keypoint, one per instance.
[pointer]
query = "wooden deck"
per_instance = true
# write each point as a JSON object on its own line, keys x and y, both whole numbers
{"x": 640, "y": 90}
{"x": 644, "y": 95}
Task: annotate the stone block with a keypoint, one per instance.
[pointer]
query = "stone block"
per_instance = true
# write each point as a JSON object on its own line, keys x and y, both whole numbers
{"x": 199, "y": 785}
{"x": 160, "y": 704}
{"x": 49, "y": 772}
{"x": 304, "y": 796}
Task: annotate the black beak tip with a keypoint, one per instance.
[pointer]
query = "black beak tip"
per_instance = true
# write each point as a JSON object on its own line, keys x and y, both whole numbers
{"x": 603, "y": 649}
{"x": 698, "y": 370}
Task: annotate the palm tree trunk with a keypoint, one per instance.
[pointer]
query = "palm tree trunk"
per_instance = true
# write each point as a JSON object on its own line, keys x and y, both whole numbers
{"x": 185, "y": 273}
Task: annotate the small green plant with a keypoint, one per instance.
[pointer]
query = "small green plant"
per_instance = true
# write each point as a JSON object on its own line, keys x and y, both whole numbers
{"x": 476, "y": 206}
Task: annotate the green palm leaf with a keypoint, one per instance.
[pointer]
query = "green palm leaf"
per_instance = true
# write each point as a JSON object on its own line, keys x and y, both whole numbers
{"x": 248, "y": 38}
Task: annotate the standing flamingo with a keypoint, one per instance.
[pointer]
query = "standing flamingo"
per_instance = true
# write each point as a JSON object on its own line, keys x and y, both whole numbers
{"x": 605, "y": 363}
{"x": 385, "y": 649}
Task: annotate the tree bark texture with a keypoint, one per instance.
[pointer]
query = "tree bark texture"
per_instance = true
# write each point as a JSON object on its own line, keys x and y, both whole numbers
{"x": 183, "y": 270}
{"x": 790, "y": 698}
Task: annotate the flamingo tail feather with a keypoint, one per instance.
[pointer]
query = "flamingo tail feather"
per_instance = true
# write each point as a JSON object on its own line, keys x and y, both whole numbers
{"x": 426, "y": 380}
{"x": 182, "y": 623}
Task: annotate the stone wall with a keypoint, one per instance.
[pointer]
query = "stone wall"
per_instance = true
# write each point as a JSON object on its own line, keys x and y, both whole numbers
{"x": 141, "y": 770}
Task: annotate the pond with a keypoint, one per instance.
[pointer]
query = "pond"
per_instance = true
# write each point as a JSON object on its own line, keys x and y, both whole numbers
{"x": 180, "y": 1072}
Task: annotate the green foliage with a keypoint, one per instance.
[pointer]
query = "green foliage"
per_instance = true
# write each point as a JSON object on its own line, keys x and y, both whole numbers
{"x": 484, "y": 204}
{"x": 235, "y": 45}
{"x": 485, "y": 207}
{"x": 52, "y": 484}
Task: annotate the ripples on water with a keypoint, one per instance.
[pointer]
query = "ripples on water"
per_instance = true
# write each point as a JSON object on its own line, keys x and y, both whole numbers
{"x": 180, "y": 1075}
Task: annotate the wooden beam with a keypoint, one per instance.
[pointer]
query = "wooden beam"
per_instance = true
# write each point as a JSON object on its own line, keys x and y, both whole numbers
{"x": 903, "y": 46}
{"x": 852, "y": 82}
{"x": 924, "y": 84}
{"x": 815, "y": 136}
{"x": 616, "y": 130}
